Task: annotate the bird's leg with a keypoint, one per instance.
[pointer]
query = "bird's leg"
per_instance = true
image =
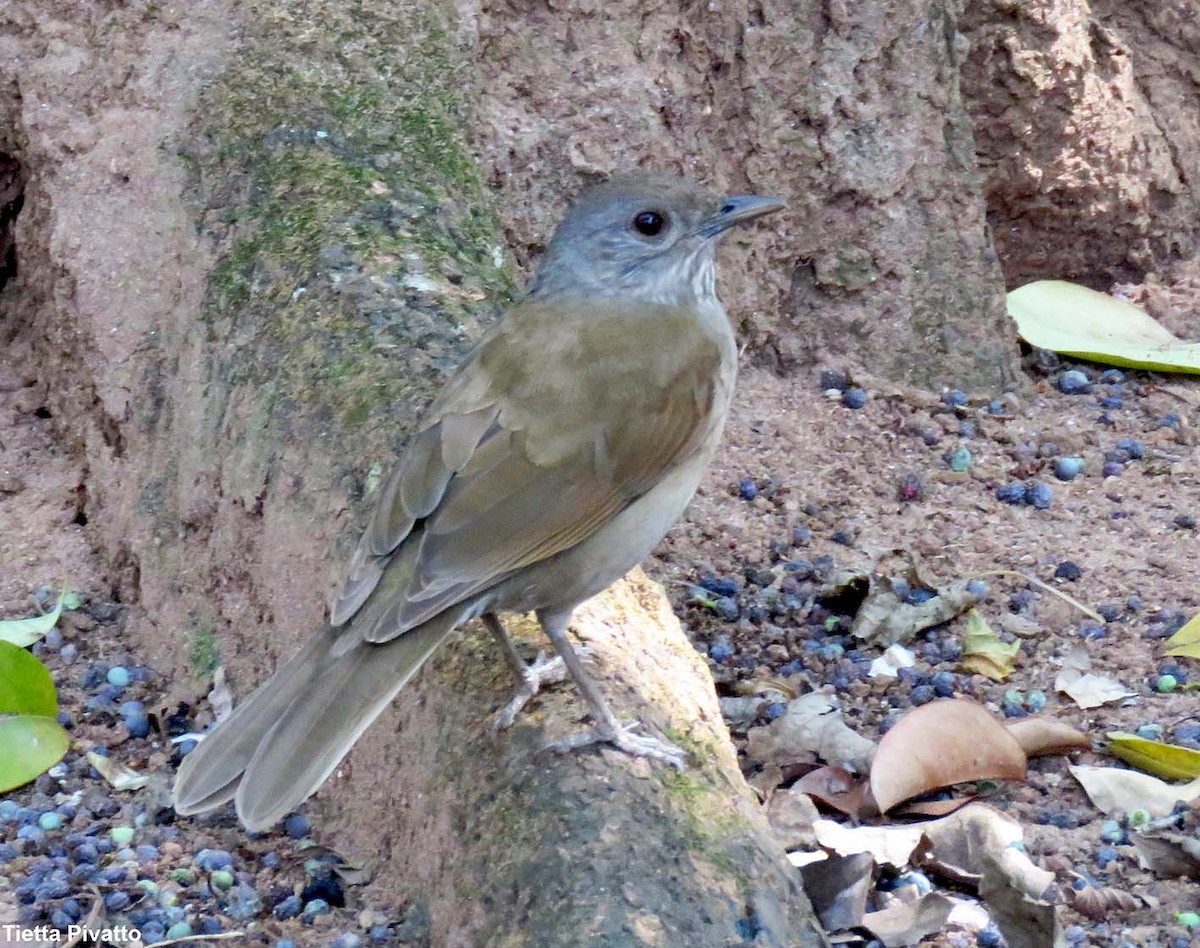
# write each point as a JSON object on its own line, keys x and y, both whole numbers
{"x": 608, "y": 729}
{"x": 542, "y": 671}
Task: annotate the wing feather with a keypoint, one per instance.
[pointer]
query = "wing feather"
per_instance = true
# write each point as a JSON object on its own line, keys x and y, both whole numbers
{"x": 517, "y": 470}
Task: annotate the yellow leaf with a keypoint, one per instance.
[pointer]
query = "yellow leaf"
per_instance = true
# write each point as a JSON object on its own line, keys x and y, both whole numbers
{"x": 1168, "y": 761}
{"x": 1074, "y": 320}
{"x": 984, "y": 652}
{"x": 1186, "y": 641}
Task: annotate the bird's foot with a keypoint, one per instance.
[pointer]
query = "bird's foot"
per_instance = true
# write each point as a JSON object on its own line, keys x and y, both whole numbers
{"x": 626, "y": 738}
{"x": 541, "y": 671}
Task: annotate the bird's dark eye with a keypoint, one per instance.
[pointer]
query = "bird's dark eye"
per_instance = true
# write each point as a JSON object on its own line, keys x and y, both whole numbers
{"x": 649, "y": 223}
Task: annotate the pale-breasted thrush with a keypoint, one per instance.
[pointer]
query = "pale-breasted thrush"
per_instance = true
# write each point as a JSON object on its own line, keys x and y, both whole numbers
{"x": 557, "y": 455}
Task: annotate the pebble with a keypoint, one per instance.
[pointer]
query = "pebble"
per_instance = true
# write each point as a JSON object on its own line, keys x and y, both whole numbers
{"x": 747, "y": 488}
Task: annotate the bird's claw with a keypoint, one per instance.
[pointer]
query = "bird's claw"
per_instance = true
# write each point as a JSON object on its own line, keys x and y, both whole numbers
{"x": 541, "y": 671}
{"x": 626, "y": 738}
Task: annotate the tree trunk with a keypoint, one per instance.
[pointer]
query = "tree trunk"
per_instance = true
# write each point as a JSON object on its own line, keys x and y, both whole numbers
{"x": 250, "y": 245}
{"x": 1088, "y": 124}
{"x": 851, "y": 112}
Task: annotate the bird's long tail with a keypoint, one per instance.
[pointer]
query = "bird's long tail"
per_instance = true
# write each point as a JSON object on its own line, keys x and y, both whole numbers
{"x": 281, "y": 743}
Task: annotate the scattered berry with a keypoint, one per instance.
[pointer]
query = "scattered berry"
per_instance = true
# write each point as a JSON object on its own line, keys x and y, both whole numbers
{"x": 1067, "y": 469}
{"x": 118, "y": 676}
{"x": 1074, "y": 382}
{"x": 854, "y": 398}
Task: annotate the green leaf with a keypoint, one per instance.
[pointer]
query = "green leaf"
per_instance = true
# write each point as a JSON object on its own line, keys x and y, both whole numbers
{"x": 1168, "y": 761}
{"x": 25, "y": 685}
{"x": 1076, "y": 321}
{"x": 29, "y": 746}
{"x": 24, "y": 632}
{"x": 1186, "y": 641}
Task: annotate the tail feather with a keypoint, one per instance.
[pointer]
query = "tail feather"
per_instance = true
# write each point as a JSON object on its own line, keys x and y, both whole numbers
{"x": 209, "y": 775}
{"x": 318, "y": 730}
{"x": 281, "y": 743}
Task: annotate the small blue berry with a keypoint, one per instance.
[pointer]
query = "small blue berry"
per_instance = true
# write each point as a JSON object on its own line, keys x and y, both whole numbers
{"x": 1106, "y": 855}
{"x": 943, "y": 683}
{"x": 210, "y": 860}
{"x": 1113, "y": 469}
{"x": 1068, "y": 468}
{"x": 118, "y": 676}
{"x": 1074, "y": 382}
{"x": 954, "y": 398}
{"x": 288, "y": 908}
{"x": 921, "y": 694}
{"x": 117, "y": 901}
{"x": 1068, "y": 570}
{"x": 1112, "y": 376}
{"x": 1035, "y": 701}
{"x": 747, "y": 488}
{"x": 297, "y": 825}
{"x": 1135, "y": 449}
{"x": 720, "y": 586}
{"x": 33, "y": 833}
{"x": 316, "y": 907}
{"x": 1091, "y": 633}
{"x": 959, "y": 459}
{"x": 977, "y": 587}
{"x": 720, "y": 651}
{"x": 1113, "y": 833}
{"x": 727, "y": 609}
{"x": 1013, "y": 493}
{"x": 854, "y": 398}
{"x": 50, "y": 821}
{"x": 1040, "y": 496}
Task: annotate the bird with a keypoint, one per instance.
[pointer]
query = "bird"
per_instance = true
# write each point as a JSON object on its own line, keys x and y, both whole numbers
{"x": 556, "y": 456}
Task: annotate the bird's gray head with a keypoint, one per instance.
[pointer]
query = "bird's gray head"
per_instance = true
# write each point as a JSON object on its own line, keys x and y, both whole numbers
{"x": 643, "y": 236}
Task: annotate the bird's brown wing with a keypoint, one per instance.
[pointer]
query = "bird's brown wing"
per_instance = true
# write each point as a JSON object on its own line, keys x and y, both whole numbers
{"x": 519, "y": 463}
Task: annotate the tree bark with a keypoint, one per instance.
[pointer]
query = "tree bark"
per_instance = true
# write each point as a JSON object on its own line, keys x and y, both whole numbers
{"x": 250, "y": 246}
{"x": 850, "y": 112}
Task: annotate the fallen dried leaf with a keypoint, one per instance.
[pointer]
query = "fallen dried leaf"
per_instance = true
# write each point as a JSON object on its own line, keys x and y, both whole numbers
{"x": 889, "y": 845}
{"x": 1090, "y": 691}
{"x": 838, "y": 889}
{"x": 906, "y": 924}
{"x": 116, "y": 773}
{"x": 835, "y": 787}
{"x": 1039, "y": 737}
{"x": 1098, "y": 904}
{"x": 1115, "y": 791}
{"x": 1169, "y": 855}
{"x": 941, "y": 744}
{"x": 811, "y": 726}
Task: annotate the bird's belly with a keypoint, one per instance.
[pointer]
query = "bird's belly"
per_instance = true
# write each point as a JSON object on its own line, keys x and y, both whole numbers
{"x": 579, "y": 573}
